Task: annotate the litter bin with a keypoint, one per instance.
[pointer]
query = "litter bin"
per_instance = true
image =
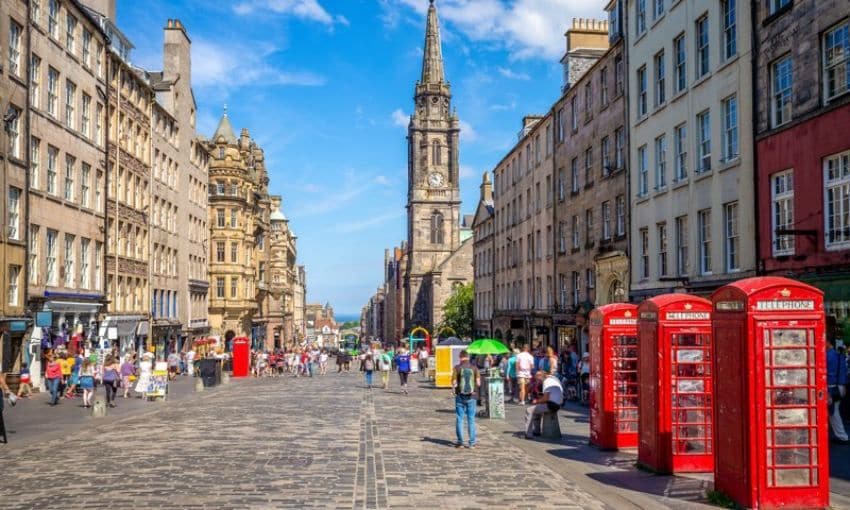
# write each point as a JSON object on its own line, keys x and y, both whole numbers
{"x": 492, "y": 396}
{"x": 210, "y": 371}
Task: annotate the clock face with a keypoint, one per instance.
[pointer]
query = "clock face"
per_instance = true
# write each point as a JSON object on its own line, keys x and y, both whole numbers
{"x": 435, "y": 179}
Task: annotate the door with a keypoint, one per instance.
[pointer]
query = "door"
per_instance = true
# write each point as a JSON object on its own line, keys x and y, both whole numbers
{"x": 691, "y": 393}
{"x": 624, "y": 354}
{"x": 790, "y": 411}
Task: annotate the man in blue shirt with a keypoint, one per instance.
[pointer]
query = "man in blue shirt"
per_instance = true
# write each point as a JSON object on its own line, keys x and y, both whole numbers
{"x": 836, "y": 385}
{"x": 402, "y": 360}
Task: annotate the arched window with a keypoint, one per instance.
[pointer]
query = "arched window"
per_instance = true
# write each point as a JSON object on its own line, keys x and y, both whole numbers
{"x": 437, "y": 153}
{"x": 436, "y": 228}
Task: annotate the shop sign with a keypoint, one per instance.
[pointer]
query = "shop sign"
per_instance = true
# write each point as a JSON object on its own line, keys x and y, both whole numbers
{"x": 688, "y": 316}
{"x": 17, "y": 326}
{"x": 44, "y": 319}
{"x": 785, "y": 305}
{"x": 623, "y": 322}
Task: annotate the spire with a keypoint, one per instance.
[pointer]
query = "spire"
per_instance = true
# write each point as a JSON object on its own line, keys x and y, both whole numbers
{"x": 225, "y": 129}
{"x": 432, "y": 61}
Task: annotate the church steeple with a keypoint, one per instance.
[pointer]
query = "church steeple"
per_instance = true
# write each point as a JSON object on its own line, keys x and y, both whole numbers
{"x": 432, "y": 61}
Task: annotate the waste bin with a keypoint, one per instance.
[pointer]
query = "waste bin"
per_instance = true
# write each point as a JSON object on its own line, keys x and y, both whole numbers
{"x": 492, "y": 396}
{"x": 210, "y": 371}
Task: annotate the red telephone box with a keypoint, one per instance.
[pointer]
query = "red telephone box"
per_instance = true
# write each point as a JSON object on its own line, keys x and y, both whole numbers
{"x": 241, "y": 356}
{"x": 613, "y": 376}
{"x": 770, "y": 361}
{"x": 675, "y": 384}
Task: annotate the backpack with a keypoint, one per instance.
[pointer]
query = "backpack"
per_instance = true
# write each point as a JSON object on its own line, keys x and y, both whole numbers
{"x": 369, "y": 365}
{"x": 466, "y": 380}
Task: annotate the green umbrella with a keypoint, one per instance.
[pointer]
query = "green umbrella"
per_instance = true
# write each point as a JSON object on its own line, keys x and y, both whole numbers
{"x": 487, "y": 346}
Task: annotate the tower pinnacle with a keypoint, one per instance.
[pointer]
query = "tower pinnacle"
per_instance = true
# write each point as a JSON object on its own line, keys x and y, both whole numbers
{"x": 432, "y": 61}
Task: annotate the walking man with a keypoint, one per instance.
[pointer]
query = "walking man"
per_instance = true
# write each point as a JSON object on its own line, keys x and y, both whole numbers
{"x": 524, "y": 366}
{"x": 549, "y": 402}
{"x": 402, "y": 359}
{"x": 836, "y": 380}
{"x": 465, "y": 382}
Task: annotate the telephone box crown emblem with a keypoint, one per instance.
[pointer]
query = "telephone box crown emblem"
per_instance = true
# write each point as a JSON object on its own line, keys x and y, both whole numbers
{"x": 688, "y": 306}
{"x": 784, "y": 292}
{"x": 627, "y": 314}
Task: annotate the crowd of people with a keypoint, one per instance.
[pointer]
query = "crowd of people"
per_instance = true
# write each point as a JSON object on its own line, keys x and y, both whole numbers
{"x": 308, "y": 361}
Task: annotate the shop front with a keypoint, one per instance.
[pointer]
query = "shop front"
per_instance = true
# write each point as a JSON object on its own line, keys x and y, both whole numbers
{"x": 13, "y": 354}
{"x": 166, "y": 337}
{"x": 126, "y": 332}
{"x": 258, "y": 334}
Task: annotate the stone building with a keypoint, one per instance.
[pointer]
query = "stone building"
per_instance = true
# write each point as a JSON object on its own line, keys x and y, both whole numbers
{"x": 437, "y": 260}
{"x": 395, "y": 263}
{"x": 281, "y": 279}
{"x": 802, "y": 69}
{"x": 690, "y": 74}
{"x": 524, "y": 237}
{"x": 299, "y": 298}
{"x": 483, "y": 255}
{"x": 62, "y": 137}
{"x": 239, "y": 222}
{"x": 179, "y": 177}
{"x": 591, "y": 152}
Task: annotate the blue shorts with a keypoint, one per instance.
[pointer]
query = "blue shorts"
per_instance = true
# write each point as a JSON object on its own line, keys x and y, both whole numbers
{"x": 87, "y": 382}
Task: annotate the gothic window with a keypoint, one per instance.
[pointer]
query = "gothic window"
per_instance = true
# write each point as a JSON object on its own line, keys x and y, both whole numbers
{"x": 436, "y": 228}
{"x": 436, "y": 153}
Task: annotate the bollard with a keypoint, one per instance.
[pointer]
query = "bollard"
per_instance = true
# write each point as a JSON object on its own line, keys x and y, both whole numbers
{"x": 225, "y": 378}
{"x": 98, "y": 410}
{"x": 199, "y": 384}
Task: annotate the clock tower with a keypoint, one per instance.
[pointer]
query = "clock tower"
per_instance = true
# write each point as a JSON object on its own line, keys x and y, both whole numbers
{"x": 433, "y": 194}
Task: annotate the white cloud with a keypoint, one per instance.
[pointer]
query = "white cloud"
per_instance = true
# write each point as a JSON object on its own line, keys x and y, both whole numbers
{"x": 303, "y": 9}
{"x": 234, "y": 65}
{"x": 467, "y": 132}
{"x": 526, "y": 28}
{"x": 356, "y": 226}
{"x": 466, "y": 172}
{"x": 503, "y": 107}
{"x": 383, "y": 180}
{"x": 400, "y": 118}
{"x": 513, "y": 75}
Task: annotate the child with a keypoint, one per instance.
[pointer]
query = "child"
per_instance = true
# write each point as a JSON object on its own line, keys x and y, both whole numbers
{"x": 25, "y": 388}
{"x": 87, "y": 381}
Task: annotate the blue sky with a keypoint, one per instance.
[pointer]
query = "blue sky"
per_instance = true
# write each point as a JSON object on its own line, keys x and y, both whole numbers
{"x": 325, "y": 87}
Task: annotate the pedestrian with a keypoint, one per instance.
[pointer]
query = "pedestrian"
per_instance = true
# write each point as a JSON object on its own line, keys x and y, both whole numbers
{"x": 465, "y": 381}
{"x": 584, "y": 377}
{"x": 385, "y": 364}
{"x": 74, "y": 378}
{"x": 87, "y": 381}
{"x": 173, "y": 365}
{"x": 836, "y": 381}
{"x": 510, "y": 375}
{"x": 66, "y": 363}
{"x": 128, "y": 372}
{"x": 368, "y": 368}
{"x": 53, "y": 374}
{"x": 550, "y": 362}
{"x": 25, "y": 387}
{"x": 524, "y": 365}
{"x": 423, "y": 360}
{"x": 190, "y": 362}
{"x": 550, "y": 400}
{"x": 111, "y": 379}
{"x": 5, "y": 393}
{"x": 402, "y": 359}
{"x": 323, "y": 362}
{"x": 145, "y": 375}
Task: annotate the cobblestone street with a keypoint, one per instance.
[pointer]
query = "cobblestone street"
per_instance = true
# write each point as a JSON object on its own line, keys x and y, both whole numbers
{"x": 318, "y": 443}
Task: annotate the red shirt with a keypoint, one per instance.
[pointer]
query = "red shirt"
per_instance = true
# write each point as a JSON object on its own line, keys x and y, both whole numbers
{"x": 54, "y": 370}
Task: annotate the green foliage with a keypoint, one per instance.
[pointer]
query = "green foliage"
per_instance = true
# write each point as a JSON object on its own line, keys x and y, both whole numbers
{"x": 457, "y": 312}
{"x": 350, "y": 325}
{"x": 717, "y": 498}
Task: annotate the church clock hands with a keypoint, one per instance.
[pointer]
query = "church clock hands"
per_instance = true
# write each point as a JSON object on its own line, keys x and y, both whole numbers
{"x": 435, "y": 180}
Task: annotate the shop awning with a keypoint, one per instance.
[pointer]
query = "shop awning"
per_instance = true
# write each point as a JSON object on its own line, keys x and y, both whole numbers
{"x": 835, "y": 288}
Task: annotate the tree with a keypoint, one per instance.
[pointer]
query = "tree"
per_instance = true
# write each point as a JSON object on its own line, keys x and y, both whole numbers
{"x": 457, "y": 312}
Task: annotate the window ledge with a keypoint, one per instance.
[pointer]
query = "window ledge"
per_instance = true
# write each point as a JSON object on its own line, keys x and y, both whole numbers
{"x": 641, "y": 199}
{"x": 659, "y": 108}
{"x": 728, "y": 62}
{"x": 732, "y": 163}
{"x": 680, "y": 184}
{"x": 640, "y": 120}
{"x": 702, "y": 79}
{"x": 778, "y": 14}
{"x": 657, "y": 20}
{"x": 679, "y": 94}
{"x": 660, "y": 191}
{"x": 703, "y": 175}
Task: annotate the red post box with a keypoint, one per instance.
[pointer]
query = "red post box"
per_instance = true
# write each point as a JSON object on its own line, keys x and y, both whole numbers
{"x": 770, "y": 363}
{"x": 241, "y": 356}
{"x": 613, "y": 376}
{"x": 675, "y": 384}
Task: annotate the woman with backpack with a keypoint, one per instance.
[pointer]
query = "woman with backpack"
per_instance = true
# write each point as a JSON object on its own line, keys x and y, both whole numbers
{"x": 368, "y": 368}
{"x": 386, "y": 365}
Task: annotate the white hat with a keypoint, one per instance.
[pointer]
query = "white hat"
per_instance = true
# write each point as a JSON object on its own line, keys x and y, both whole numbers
{"x": 585, "y": 355}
